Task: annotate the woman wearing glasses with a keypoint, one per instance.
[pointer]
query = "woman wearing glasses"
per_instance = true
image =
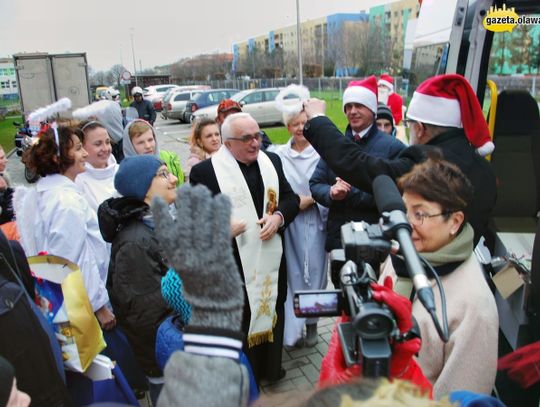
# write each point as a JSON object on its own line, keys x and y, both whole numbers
{"x": 204, "y": 141}
{"x": 137, "y": 262}
{"x": 437, "y": 194}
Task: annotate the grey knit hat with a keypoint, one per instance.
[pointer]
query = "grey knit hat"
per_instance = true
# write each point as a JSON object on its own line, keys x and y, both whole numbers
{"x": 135, "y": 175}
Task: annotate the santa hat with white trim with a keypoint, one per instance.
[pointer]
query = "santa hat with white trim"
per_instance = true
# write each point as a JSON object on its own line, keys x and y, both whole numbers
{"x": 386, "y": 80}
{"x": 449, "y": 100}
{"x": 363, "y": 92}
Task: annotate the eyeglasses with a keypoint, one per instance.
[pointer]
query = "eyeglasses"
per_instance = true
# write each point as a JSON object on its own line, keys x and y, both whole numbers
{"x": 417, "y": 218}
{"x": 408, "y": 122}
{"x": 165, "y": 174}
{"x": 248, "y": 138}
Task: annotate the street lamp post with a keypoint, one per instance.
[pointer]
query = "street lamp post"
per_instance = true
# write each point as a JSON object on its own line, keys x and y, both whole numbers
{"x": 134, "y": 63}
{"x": 299, "y": 41}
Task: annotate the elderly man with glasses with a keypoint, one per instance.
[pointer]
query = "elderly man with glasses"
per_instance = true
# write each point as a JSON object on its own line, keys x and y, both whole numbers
{"x": 263, "y": 204}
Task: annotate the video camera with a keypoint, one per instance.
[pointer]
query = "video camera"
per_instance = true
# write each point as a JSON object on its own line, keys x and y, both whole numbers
{"x": 365, "y": 339}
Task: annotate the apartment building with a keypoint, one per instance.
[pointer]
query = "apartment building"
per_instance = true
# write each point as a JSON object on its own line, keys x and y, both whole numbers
{"x": 8, "y": 79}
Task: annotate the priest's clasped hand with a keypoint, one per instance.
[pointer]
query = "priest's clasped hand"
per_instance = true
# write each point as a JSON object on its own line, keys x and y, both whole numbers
{"x": 270, "y": 225}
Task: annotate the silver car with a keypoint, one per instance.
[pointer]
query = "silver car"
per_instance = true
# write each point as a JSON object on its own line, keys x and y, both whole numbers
{"x": 174, "y": 104}
{"x": 259, "y": 103}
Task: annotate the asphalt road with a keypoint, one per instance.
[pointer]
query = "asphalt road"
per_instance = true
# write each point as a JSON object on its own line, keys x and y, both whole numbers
{"x": 171, "y": 135}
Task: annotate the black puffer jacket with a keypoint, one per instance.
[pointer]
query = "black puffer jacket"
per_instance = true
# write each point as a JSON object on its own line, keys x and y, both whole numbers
{"x": 135, "y": 271}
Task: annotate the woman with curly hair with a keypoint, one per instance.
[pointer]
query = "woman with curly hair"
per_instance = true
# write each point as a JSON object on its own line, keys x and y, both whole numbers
{"x": 55, "y": 217}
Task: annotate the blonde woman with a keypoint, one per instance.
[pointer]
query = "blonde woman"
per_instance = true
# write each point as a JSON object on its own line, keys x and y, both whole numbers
{"x": 204, "y": 141}
{"x": 306, "y": 235}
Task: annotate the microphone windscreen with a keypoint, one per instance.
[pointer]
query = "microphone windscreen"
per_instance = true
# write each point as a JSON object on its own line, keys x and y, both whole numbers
{"x": 386, "y": 195}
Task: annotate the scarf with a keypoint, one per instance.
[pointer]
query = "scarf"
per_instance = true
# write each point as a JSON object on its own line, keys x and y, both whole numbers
{"x": 447, "y": 258}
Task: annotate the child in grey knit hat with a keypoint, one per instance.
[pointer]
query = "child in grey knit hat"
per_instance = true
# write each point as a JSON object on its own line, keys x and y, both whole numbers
{"x": 198, "y": 246}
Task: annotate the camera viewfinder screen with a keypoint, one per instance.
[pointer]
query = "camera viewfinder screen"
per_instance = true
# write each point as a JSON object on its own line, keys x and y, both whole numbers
{"x": 316, "y": 304}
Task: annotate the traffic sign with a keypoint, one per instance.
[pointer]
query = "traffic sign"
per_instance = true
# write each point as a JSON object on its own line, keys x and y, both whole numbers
{"x": 126, "y": 75}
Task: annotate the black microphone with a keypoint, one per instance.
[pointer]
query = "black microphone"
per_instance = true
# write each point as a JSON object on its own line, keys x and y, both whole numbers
{"x": 395, "y": 223}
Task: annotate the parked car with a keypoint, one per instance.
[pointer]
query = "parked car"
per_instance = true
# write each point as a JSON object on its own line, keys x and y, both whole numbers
{"x": 174, "y": 103}
{"x": 155, "y": 94}
{"x": 206, "y": 98}
{"x": 259, "y": 103}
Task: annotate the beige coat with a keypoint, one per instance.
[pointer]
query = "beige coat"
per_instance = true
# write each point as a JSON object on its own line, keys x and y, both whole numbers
{"x": 469, "y": 360}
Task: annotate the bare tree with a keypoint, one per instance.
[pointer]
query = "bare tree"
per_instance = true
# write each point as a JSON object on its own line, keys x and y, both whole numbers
{"x": 97, "y": 78}
{"x": 115, "y": 73}
{"x": 349, "y": 47}
{"x": 290, "y": 62}
{"x": 499, "y": 53}
{"x": 377, "y": 54}
{"x": 520, "y": 56}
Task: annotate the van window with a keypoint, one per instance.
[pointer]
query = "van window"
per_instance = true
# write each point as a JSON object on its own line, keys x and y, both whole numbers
{"x": 198, "y": 97}
{"x": 514, "y": 61}
{"x": 272, "y": 94}
{"x": 182, "y": 96}
{"x": 255, "y": 97}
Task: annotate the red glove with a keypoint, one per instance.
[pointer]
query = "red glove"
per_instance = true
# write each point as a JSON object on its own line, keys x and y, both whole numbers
{"x": 523, "y": 365}
{"x": 333, "y": 367}
{"x": 402, "y": 364}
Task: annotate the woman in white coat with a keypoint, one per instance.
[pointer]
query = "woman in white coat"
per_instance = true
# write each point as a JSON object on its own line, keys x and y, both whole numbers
{"x": 306, "y": 235}
{"x": 97, "y": 182}
{"x": 436, "y": 194}
{"x": 54, "y": 217}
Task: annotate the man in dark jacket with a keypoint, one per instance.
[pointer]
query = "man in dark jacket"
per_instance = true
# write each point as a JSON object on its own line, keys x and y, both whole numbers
{"x": 264, "y": 203}
{"x": 348, "y": 203}
{"x": 145, "y": 109}
{"x": 450, "y": 123}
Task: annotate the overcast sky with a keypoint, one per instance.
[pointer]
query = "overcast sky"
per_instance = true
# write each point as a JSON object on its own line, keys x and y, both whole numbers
{"x": 164, "y": 31}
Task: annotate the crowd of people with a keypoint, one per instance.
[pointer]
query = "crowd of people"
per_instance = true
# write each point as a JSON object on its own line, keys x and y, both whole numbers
{"x": 201, "y": 276}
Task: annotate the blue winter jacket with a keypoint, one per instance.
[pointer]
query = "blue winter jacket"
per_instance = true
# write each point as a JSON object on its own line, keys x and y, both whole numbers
{"x": 358, "y": 205}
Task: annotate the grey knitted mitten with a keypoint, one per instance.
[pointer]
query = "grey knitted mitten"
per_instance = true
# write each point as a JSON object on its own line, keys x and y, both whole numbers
{"x": 198, "y": 246}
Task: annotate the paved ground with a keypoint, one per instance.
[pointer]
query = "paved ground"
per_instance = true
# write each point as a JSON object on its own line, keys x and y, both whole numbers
{"x": 302, "y": 365}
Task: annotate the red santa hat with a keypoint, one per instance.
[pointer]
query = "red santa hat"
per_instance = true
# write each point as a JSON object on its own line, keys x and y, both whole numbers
{"x": 363, "y": 92}
{"x": 449, "y": 101}
{"x": 386, "y": 80}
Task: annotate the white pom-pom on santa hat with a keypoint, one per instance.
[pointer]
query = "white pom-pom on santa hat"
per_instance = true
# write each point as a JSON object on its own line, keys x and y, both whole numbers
{"x": 363, "y": 92}
{"x": 449, "y": 100}
{"x": 386, "y": 80}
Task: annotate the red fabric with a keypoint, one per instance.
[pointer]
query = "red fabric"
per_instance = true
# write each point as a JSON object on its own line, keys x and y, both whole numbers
{"x": 395, "y": 103}
{"x": 227, "y": 104}
{"x": 454, "y": 86}
{"x": 333, "y": 367}
{"x": 523, "y": 365}
{"x": 402, "y": 364}
{"x": 370, "y": 83}
{"x": 387, "y": 78}
{"x": 11, "y": 231}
